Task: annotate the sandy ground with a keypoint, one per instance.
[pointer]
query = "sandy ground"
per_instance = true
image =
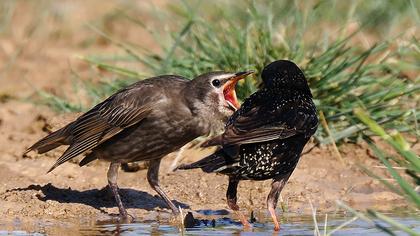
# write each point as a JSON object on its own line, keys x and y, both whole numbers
{"x": 43, "y": 58}
{"x": 74, "y": 194}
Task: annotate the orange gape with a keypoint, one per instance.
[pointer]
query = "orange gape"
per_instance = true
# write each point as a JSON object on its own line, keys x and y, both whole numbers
{"x": 230, "y": 94}
{"x": 229, "y": 90}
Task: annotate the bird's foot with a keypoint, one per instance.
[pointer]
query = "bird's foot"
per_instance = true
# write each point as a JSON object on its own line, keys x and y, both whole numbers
{"x": 243, "y": 220}
{"x": 274, "y": 217}
{"x": 125, "y": 219}
{"x": 245, "y": 223}
{"x": 232, "y": 205}
{"x": 175, "y": 212}
{"x": 176, "y": 218}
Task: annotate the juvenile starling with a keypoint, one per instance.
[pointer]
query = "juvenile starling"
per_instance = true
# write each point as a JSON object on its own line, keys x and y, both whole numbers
{"x": 146, "y": 121}
{"x": 265, "y": 137}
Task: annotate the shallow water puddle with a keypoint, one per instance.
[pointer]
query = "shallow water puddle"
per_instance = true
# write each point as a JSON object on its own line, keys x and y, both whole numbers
{"x": 291, "y": 224}
{"x": 226, "y": 226}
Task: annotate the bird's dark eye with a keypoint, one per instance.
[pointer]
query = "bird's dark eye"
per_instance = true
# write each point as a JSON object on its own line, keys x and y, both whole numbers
{"x": 215, "y": 83}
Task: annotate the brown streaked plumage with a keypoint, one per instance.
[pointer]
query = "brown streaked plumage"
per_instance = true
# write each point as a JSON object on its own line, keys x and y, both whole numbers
{"x": 145, "y": 122}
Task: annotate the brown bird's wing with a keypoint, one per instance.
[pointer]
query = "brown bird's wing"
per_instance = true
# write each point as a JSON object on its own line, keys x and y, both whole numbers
{"x": 122, "y": 110}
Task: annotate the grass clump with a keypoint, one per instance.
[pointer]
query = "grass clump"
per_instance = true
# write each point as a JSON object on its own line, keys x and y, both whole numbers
{"x": 404, "y": 158}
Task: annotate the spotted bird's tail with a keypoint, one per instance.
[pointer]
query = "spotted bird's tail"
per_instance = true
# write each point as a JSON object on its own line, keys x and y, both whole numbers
{"x": 212, "y": 163}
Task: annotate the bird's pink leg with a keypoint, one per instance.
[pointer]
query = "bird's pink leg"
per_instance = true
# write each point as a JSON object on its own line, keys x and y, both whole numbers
{"x": 232, "y": 205}
{"x": 272, "y": 199}
{"x": 274, "y": 217}
{"x": 231, "y": 201}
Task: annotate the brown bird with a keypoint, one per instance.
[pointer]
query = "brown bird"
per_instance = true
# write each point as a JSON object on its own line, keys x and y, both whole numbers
{"x": 146, "y": 121}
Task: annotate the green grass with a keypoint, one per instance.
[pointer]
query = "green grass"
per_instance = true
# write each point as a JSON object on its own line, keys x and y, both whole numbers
{"x": 403, "y": 183}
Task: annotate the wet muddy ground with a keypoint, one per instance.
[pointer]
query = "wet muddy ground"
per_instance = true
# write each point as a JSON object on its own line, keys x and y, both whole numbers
{"x": 72, "y": 195}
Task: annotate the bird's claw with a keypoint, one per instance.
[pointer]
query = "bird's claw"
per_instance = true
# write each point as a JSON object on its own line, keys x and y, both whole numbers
{"x": 244, "y": 221}
{"x": 246, "y": 225}
{"x": 128, "y": 218}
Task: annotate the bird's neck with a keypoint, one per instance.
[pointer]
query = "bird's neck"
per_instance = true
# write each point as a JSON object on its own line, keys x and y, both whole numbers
{"x": 206, "y": 118}
{"x": 208, "y": 121}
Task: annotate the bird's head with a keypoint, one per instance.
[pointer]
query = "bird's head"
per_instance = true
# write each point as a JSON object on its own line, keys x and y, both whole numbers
{"x": 285, "y": 74}
{"x": 214, "y": 93}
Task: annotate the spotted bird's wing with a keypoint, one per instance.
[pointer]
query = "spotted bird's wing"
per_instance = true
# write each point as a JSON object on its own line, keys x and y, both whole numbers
{"x": 264, "y": 123}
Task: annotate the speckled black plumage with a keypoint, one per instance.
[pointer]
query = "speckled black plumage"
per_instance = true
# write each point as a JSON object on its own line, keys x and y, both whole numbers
{"x": 264, "y": 139}
{"x": 282, "y": 113}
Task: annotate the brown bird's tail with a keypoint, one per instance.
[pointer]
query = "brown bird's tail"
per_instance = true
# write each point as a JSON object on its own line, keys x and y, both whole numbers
{"x": 50, "y": 142}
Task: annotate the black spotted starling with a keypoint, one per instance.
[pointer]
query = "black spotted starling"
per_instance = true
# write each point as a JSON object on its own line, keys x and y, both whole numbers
{"x": 264, "y": 139}
{"x": 146, "y": 121}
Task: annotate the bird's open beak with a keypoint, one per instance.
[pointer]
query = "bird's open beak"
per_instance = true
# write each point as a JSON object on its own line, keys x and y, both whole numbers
{"x": 229, "y": 89}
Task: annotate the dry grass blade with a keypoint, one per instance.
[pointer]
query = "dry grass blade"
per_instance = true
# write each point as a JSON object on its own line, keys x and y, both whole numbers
{"x": 316, "y": 227}
{"x": 325, "y": 125}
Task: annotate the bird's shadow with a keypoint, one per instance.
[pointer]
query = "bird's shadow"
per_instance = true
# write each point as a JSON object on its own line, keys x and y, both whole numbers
{"x": 100, "y": 198}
